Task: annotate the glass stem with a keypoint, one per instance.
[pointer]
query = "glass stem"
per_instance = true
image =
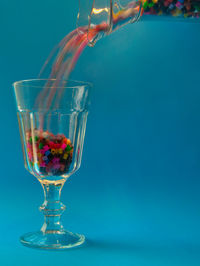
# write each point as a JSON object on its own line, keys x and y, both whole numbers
{"x": 52, "y": 208}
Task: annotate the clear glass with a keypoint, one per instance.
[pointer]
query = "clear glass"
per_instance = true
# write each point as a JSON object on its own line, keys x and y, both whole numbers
{"x": 52, "y": 139}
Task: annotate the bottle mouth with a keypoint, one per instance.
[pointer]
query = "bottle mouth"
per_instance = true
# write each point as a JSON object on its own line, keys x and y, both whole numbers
{"x": 106, "y": 18}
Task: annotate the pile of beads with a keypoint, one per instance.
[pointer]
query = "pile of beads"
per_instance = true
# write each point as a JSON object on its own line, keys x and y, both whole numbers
{"x": 175, "y": 8}
{"x": 48, "y": 153}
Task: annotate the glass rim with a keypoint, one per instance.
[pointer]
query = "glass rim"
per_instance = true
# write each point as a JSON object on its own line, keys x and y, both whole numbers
{"x": 27, "y": 81}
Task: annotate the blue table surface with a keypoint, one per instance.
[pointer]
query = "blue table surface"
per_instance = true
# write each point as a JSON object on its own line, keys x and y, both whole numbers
{"x": 136, "y": 196}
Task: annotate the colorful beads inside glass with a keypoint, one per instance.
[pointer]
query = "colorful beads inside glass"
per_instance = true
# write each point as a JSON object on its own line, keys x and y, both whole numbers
{"x": 52, "y": 154}
{"x": 175, "y": 8}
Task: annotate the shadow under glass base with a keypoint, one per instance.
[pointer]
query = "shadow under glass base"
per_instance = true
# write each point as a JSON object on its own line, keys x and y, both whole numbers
{"x": 59, "y": 240}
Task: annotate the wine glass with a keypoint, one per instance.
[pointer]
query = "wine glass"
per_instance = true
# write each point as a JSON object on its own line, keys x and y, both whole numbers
{"x": 52, "y": 118}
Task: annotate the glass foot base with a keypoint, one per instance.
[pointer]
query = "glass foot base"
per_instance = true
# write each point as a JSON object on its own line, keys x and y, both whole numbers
{"x": 58, "y": 240}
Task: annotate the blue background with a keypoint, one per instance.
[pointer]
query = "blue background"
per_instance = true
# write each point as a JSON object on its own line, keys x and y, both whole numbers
{"x": 136, "y": 196}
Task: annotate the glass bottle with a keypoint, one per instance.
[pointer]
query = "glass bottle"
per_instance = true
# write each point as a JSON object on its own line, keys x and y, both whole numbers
{"x": 117, "y": 13}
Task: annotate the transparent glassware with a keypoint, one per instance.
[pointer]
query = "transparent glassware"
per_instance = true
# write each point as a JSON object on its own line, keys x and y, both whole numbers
{"x": 52, "y": 141}
{"x": 117, "y": 13}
